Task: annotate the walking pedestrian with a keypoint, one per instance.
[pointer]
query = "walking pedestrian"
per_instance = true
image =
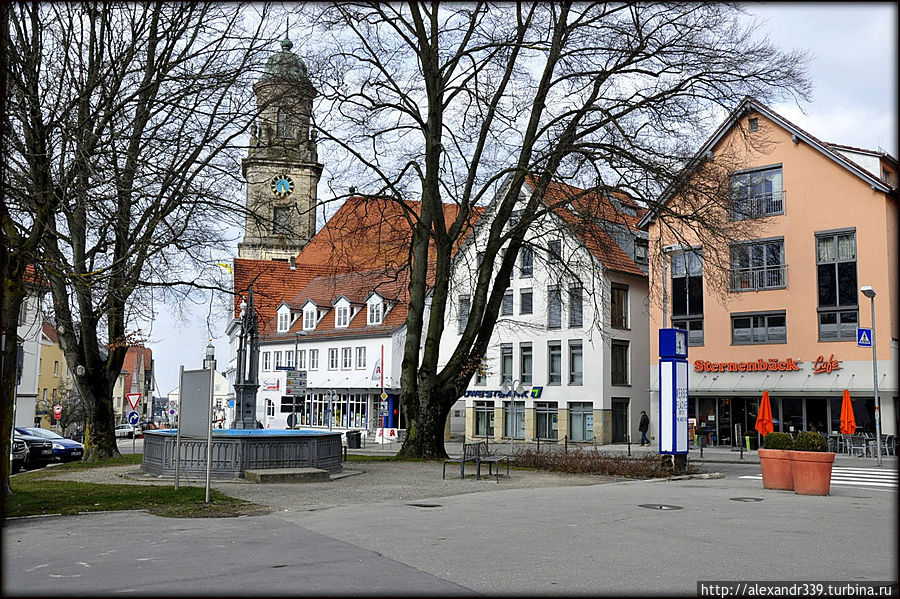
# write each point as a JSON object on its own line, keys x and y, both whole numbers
{"x": 644, "y": 426}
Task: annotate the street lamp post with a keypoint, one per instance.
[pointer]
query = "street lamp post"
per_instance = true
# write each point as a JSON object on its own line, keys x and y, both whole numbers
{"x": 247, "y": 367}
{"x": 869, "y": 292}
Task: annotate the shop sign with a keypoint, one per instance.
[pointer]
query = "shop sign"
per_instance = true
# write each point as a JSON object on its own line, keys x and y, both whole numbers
{"x": 534, "y": 393}
{"x": 821, "y": 365}
{"x": 271, "y": 385}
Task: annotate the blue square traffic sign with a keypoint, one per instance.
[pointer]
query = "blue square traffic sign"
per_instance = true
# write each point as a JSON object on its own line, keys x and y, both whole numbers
{"x": 864, "y": 337}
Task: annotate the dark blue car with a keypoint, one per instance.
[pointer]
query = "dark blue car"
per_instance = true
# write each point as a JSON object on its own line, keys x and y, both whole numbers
{"x": 64, "y": 450}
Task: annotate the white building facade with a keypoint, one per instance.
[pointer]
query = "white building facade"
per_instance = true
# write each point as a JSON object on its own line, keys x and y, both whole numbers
{"x": 566, "y": 361}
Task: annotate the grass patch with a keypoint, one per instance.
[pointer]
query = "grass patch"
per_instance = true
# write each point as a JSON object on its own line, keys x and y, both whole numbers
{"x": 38, "y": 493}
{"x": 582, "y": 461}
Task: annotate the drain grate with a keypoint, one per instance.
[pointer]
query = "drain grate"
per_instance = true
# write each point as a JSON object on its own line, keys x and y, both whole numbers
{"x": 424, "y": 505}
{"x": 745, "y": 499}
{"x": 660, "y": 506}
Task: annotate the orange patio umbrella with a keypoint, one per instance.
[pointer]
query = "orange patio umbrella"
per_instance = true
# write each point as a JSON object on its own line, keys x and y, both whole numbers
{"x": 848, "y": 420}
{"x": 764, "y": 423}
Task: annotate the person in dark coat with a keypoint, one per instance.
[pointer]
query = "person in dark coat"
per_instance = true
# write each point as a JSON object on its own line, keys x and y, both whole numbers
{"x": 644, "y": 426}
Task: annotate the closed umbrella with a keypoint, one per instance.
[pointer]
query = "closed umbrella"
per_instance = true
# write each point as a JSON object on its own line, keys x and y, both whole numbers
{"x": 764, "y": 424}
{"x": 848, "y": 420}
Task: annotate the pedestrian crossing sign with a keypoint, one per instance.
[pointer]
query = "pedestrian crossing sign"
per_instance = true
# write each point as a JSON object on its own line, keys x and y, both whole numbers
{"x": 864, "y": 337}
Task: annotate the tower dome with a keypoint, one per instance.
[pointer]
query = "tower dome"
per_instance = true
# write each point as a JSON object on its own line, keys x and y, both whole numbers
{"x": 285, "y": 65}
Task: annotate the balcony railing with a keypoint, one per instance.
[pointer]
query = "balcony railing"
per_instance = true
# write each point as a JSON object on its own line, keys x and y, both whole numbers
{"x": 754, "y": 279}
{"x": 766, "y": 204}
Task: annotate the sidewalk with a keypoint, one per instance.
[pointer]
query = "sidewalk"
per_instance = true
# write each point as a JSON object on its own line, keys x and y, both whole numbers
{"x": 710, "y": 455}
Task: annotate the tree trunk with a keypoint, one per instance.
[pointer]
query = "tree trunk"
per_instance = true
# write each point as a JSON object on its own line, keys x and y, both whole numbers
{"x": 425, "y": 430}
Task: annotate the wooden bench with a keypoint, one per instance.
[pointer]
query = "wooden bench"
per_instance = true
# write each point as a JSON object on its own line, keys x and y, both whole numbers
{"x": 478, "y": 453}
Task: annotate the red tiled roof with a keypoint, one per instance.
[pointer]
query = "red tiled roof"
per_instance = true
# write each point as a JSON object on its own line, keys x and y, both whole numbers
{"x": 133, "y": 362}
{"x": 33, "y": 277}
{"x": 366, "y": 234}
{"x": 586, "y": 212}
{"x": 50, "y": 331}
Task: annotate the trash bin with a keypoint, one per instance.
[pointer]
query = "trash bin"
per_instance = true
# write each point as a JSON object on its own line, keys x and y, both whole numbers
{"x": 353, "y": 439}
{"x": 752, "y": 442}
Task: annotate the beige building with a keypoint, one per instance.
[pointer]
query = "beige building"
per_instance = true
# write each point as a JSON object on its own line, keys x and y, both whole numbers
{"x": 821, "y": 223}
{"x": 54, "y": 378}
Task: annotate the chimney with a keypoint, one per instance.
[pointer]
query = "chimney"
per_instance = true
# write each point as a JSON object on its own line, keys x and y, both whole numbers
{"x": 352, "y": 190}
{"x": 293, "y": 262}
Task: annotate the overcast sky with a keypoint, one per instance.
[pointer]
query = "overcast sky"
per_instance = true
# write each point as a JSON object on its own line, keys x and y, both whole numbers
{"x": 854, "y": 74}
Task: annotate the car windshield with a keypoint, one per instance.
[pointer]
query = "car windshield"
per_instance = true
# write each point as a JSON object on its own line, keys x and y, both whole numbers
{"x": 40, "y": 432}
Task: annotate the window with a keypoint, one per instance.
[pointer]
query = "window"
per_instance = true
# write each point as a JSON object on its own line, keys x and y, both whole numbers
{"x": 506, "y": 363}
{"x": 687, "y": 294}
{"x": 270, "y": 408}
{"x": 284, "y": 130}
{"x": 360, "y": 357}
{"x": 581, "y": 421}
{"x": 375, "y": 312}
{"x": 479, "y": 259}
{"x": 838, "y": 291}
{"x": 512, "y": 270}
{"x": 525, "y": 363}
{"x": 547, "y": 420}
{"x": 640, "y": 251}
{"x": 753, "y": 123}
{"x": 342, "y": 317}
{"x": 346, "y": 358}
{"x": 309, "y": 319}
{"x": 757, "y": 194}
{"x": 463, "y": 312}
{"x": 56, "y": 368}
{"x": 525, "y": 299}
{"x": 289, "y": 359}
{"x": 301, "y": 359}
{"x": 332, "y": 358}
{"x": 514, "y": 218}
{"x": 480, "y": 375}
{"x": 514, "y": 419}
{"x": 313, "y": 359}
{"x": 554, "y": 363}
{"x": 53, "y": 396}
{"x": 277, "y": 359}
{"x": 619, "y": 361}
{"x": 576, "y": 305}
{"x": 506, "y": 308}
{"x": 618, "y": 307}
{"x": 758, "y": 328}
{"x": 526, "y": 261}
{"x": 554, "y": 251}
{"x": 284, "y": 321}
{"x": 484, "y": 419}
{"x": 554, "y": 307}
{"x": 266, "y": 361}
{"x": 281, "y": 218}
{"x": 576, "y": 363}
{"x": 758, "y": 265}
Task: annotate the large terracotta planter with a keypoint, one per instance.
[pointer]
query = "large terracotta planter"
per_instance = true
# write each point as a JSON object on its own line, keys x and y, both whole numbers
{"x": 776, "y": 469}
{"x": 811, "y": 471}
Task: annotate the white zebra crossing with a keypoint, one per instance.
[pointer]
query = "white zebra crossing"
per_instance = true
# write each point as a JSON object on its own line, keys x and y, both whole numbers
{"x": 862, "y": 477}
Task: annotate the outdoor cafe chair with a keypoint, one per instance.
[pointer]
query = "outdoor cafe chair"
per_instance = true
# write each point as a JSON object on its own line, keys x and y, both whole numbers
{"x": 857, "y": 444}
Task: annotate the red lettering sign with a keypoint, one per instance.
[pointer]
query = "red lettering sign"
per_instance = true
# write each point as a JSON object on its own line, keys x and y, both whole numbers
{"x": 760, "y": 365}
{"x": 821, "y": 365}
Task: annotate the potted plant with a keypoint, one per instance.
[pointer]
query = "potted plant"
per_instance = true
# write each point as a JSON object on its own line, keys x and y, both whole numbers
{"x": 811, "y": 464}
{"x": 775, "y": 461}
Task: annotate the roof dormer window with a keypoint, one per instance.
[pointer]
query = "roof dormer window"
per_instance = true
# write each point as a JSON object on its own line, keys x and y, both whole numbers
{"x": 342, "y": 317}
{"x": 376, "y": 312}
{"x": 309, "y": 318}
{"x": 284, "y": 320}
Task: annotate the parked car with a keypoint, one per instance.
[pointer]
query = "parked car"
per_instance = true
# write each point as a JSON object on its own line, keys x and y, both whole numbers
{"x": 40, "y": 451}
{"x": 17, "y": 455}
{"x": 128, "y": 431}
{"x": 64, "y": 450}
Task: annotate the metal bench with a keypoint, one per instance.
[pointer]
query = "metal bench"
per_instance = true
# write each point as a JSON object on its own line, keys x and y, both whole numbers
{"x": 470, "y": 453}
{"x": 479, "y": 453}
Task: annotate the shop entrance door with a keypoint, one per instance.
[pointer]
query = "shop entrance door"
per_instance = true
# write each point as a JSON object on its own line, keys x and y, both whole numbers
{"x": 619, "y": 420}
{"x": 724, "y": 421}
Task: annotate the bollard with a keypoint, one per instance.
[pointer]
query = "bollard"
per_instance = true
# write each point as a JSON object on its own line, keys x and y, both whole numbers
{"x": 628, "y": 440}
{"x": 566, "y": 442}
{"x": 702, "y": 437}
{"x": 539, "y": 445}
{"x": 742, "y": 452}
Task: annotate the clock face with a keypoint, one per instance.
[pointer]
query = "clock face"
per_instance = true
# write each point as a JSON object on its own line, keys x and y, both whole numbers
{"x": 282, "y": 186}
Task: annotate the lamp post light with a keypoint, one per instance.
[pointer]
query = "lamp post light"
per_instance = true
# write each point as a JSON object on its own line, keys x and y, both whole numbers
{"x": 869, "y": 292}
{"x": 247, "y": 367}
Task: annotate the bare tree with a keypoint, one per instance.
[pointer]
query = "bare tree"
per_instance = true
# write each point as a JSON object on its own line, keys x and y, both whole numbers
{"x": 121, "y": 164}
{"x": 460, "y": 103}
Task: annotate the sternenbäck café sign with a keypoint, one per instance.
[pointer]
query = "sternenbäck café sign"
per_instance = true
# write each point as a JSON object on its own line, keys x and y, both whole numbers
{"x": 820, "y": 365}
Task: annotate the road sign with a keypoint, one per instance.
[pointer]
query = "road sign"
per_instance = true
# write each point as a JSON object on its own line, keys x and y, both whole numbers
{"x": 384, "y": 395}
{"x": 295, "y": 378}
{"x": 134, "y": 418}
{"x": 864, "y": 337}
{"x": 133, "y": 399}
{"x": 57, "y": 409}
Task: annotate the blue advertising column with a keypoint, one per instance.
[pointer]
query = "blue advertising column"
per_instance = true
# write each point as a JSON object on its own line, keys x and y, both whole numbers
{"x": 673, "y": 395}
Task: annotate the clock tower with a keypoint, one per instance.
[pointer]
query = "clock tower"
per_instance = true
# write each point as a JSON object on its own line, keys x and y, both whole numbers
{"x": 281, "y": 168}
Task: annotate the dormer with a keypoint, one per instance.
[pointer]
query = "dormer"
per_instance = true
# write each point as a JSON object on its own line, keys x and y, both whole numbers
{"x": 374, "y": 309}
{"x": 311, "y": 315}
{"x": 344, "y": 312}
{"x": 285, "y": 318}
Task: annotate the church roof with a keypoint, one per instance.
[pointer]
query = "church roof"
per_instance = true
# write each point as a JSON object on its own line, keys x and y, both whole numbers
{"x": 285, "y": 65}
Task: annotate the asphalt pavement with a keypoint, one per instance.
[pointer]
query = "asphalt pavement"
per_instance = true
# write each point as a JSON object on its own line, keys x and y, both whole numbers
{"x": 398, "y": 529}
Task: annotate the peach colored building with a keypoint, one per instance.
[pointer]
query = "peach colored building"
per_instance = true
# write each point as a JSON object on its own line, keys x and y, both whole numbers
{"x": 776, "y": 307}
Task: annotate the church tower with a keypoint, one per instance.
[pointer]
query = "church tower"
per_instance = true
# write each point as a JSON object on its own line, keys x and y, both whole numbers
{"x": 281, "y": 168}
